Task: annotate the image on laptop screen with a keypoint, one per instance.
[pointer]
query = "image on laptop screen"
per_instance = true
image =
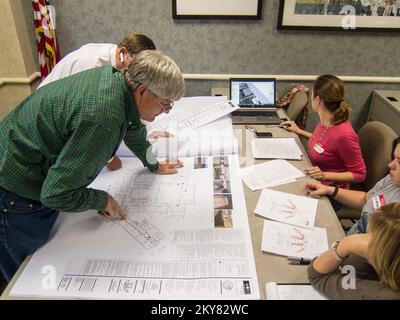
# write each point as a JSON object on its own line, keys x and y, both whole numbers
{"x": 253, "y": 93}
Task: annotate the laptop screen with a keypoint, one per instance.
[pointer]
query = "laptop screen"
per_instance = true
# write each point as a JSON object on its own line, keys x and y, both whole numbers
{"x": 253, "y": 93}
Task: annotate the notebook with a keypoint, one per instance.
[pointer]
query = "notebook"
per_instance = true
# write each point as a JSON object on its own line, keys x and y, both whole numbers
{"x": 256, "y": 99}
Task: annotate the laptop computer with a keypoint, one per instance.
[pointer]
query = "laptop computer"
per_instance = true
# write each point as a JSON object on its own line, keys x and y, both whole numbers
{"x": 256, "y": 99}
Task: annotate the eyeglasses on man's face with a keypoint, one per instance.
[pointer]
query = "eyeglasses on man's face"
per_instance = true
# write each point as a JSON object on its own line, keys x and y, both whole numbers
{"x": 165, "y": 106}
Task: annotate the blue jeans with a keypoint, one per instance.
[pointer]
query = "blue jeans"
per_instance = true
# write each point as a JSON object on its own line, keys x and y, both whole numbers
{"x": 25, "y": 225}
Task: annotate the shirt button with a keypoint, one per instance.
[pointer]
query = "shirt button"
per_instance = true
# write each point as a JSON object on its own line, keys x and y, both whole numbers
{"x": 31, "y": 206}
{"x": 12, "y": 203}
{"x": 5, "y": 210}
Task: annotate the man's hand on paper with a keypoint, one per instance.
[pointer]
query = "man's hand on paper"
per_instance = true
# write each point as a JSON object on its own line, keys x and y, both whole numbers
{"x": 113, "y": 210}
{"x": 169, "y": 166}
{"x": 114, "y": 164}
{"x": 315, "y": 173}
{"x": 160, "y": 134}
{"x": 315, "y": 189}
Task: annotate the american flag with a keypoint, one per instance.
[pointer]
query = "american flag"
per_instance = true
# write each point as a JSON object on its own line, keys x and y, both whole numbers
{"x": 49, "y": 52}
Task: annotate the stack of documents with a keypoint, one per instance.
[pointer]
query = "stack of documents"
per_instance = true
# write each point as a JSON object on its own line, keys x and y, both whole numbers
{"x": 276, "y": 148}
{"x": 269, "y": 174}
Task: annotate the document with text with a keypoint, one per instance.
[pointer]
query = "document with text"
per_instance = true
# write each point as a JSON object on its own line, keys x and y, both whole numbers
{"x": 276, "y": 148}
{"x": 269, "y": 174}
{"x": 193, "y": 113}
{"x": 186, "y": 237}
{"x": 292, "y": 291}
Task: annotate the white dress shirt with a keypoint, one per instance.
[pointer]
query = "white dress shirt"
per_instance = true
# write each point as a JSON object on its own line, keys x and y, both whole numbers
{"x": 89, "y": 56}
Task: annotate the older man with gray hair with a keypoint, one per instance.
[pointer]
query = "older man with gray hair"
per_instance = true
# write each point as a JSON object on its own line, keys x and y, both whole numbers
{"x": 54, "y": 144}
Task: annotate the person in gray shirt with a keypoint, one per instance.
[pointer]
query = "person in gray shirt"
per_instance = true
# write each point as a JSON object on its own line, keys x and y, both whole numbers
{"x": 363, "y": 266}
{"x": 385, "y": 191}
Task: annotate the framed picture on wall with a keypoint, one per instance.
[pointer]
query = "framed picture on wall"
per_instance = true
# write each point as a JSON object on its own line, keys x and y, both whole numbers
{"x": 216, "y": 9}
{"x": 347, "y": 15}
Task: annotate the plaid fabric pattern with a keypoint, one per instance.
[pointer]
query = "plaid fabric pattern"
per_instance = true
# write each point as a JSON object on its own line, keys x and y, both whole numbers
{"x": 54, "y": 144}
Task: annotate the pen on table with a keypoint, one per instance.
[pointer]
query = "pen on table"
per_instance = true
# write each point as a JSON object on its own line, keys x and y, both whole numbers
{"x": 297, "y": 260}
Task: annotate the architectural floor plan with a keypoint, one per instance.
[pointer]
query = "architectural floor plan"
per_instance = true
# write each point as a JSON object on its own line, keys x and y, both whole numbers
{"x": 170, "y": 247}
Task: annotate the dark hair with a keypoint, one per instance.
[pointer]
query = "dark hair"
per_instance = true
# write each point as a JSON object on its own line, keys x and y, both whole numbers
{"x": 331, "y": 91}
{"x": 395, "y": 143}
{"x": 136, "y": 42}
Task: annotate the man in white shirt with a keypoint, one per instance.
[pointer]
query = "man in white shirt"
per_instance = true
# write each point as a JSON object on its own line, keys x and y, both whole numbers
{"x": 94, "y": 55}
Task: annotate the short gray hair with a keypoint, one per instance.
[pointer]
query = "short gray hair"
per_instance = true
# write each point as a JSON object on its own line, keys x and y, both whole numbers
{"x": 158, "y": 72}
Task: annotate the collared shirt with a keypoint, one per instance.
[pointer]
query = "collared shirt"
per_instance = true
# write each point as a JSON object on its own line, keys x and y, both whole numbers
{"x": 54, "y": 144}
{"x": 89, "y": 56}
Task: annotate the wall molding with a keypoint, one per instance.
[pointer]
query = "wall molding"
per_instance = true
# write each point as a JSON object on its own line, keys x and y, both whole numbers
{"x": 22, "y": 80}
{"x": 225, "y": 77}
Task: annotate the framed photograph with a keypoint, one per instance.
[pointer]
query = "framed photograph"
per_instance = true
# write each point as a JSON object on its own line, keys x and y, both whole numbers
{"x": 216, "y": 9}
{"x": 347, "y": 15}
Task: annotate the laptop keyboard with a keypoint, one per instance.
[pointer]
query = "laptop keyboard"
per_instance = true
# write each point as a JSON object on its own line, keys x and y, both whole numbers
{"x": 257, "y": 113}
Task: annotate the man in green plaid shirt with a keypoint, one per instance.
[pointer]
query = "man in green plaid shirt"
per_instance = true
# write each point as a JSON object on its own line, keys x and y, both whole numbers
{"x": 55, "y": 143}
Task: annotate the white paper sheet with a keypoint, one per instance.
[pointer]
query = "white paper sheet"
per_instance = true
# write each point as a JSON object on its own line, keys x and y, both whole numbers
{"x": 170, "y": 247}
{"x": 269, "y": 174}
{"x": 287, "y": 240}
{"x": 276, "y": 148}
{"x": 287, "y": 208}
{"x": 195, "y": 113}
{"x": 195, "y": 144}
{"x": 210, "y": 139}
{"x": 285, "y": 291}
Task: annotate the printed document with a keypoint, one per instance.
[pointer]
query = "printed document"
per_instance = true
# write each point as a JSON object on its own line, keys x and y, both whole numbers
{"x": 186, "y": 237}
{"x": 292, "y": 291}
{"x": 276, "y": 148}
{"x": 287, "y": 208}
{"x": 213, "y": 138}
{"x": 269, "y": 174}
{"x": 195, "y": 113}
{"x": 287, "y": 240}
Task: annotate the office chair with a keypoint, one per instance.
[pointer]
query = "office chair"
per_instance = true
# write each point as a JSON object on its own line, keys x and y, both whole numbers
{"x": 376, "y": 139}
{"x": 296, "y": 105}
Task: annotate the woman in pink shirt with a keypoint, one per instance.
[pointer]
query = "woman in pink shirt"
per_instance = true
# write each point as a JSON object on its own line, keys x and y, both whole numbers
{"x": 333, "y": 147}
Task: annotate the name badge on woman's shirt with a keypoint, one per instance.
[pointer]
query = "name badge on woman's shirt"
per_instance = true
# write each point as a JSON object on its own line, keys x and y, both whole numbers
{"x": 378, "y": 201}
{"x": 318, "y": 148}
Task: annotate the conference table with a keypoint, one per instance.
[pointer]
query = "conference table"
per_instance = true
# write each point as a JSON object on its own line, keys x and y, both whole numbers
{"x": 270, "y": 267}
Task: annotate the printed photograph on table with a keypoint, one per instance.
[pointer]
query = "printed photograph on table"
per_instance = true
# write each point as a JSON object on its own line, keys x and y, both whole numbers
{"x": 347, "y": 15}
{"x": 223, "y": 201}
{"x": 220, "y": 161}
{"x": 221, "y": 173}
{"x": 222, "y": 186}
{"x": 223, "y": 219}
{"x": 200, "y": 163}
